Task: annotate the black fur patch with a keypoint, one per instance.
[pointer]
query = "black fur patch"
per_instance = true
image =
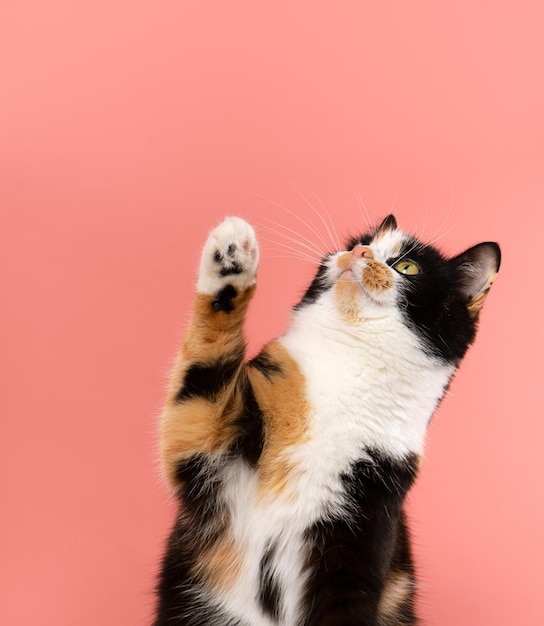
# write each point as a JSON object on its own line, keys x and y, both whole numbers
{"x": 316, "y": 288}
{"x": 352, "y": 556}
{"x": 207, "y": 381}
{"x": 434, "y": 307}
{"x": 250, "y": 425}
{"x": 269, "y": 590}
{"x": 200, "y": 490}
{"x": 363, "y": 240}
{"x": 402, "y": 563}
{"x": 200, "y": 523}
{"x": 180, "y": 604}
{"x": 431, "y": 301}
{"x": 179, "y": 601}
{"x": 266, "y": 365}
{"x": 223, "y": 300}
{"x": 233, "y": 268}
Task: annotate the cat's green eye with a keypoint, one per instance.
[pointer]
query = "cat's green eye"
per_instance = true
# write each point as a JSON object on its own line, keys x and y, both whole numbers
{"x": 409, "y": 268}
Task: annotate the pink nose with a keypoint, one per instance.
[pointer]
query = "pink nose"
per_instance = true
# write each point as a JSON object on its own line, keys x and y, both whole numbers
{"x": 362, "y": 252}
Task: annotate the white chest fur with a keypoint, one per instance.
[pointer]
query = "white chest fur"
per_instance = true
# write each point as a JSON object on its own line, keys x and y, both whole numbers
{"x": 369, "y": 385}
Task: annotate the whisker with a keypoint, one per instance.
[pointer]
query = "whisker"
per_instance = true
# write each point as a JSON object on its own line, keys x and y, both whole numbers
{"x": 362, "y": 206}
{"x": 293, "y": 252}
{"x": 454, "y": 225}
{"x": 291, "y": 255}
{"x": 436, "y": 236}
{"x": 300, "y": 219}
{"x": 392, "y": 209}
{"x": 334, "y": 242}
{"x": 442, "y": 235}
{"x": 334, "y": 233}
{"x": 426, "y": 204}
{"x": 407, "y": 253}
{"x": 299, "y": 239}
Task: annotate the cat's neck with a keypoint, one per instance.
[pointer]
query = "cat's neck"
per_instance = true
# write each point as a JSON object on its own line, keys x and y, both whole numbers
{"x": 321, "y": 326}
{"x": 374, "y": 378}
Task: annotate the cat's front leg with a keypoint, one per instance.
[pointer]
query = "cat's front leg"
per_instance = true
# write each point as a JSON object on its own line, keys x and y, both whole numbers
{"x": 200, "y": 413}
{"x": 229, "y": 262}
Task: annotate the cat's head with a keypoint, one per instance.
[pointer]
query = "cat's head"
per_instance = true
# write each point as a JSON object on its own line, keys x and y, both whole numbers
{"x": 387, "y": 272}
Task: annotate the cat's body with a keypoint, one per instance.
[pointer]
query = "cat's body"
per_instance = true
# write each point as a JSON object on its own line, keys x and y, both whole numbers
{"x": 292, "y": 468}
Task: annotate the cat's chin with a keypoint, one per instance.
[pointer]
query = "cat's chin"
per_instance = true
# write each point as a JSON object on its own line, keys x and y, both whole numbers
{"x": 356, "y": 302}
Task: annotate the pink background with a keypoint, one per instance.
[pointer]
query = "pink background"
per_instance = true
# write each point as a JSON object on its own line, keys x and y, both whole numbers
{"x": 127, "y": 130}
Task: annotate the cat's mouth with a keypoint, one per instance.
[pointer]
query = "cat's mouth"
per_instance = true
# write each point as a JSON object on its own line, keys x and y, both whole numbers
{"x": 360, "y": 284}
{"x": 372, "y": 275}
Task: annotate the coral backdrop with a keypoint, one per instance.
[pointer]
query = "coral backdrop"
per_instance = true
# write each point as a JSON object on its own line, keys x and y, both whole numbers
{"x": 127, "y": 130}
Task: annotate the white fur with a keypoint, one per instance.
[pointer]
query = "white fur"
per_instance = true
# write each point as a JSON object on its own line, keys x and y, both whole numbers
{"x": 233, "y": 230}
{"x": 370, "y": 385}
{"x": 257, "y": 524}
{"x": 370, "y": 382}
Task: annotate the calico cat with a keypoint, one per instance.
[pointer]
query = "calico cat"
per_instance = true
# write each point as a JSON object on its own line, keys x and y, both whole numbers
{"x": 291, "y": 469}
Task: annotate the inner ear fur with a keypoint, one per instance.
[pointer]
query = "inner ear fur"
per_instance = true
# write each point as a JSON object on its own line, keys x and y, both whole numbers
{"x": 477, "y": 268}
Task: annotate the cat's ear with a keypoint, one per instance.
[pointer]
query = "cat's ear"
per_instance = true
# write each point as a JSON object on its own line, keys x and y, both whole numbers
{"x": 476, "y": 269}
{"x": 389, "y": 223}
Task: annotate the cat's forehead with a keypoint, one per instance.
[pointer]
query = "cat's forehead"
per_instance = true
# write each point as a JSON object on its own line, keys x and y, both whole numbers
{"x": 388, "y": 243}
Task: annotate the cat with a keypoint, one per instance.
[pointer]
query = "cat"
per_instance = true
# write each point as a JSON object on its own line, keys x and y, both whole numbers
{"x": 291, "y": 468}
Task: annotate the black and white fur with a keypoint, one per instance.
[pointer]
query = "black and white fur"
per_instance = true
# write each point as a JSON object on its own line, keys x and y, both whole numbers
{"x": 292, "y": 468}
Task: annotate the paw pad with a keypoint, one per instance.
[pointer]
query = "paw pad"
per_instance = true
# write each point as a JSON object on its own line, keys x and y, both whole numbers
{"x": 230, "y": 257}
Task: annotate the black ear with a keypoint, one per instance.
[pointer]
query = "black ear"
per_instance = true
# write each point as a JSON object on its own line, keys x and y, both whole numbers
{"x": 476, "y": 269}
{"x": 389, "y": 223}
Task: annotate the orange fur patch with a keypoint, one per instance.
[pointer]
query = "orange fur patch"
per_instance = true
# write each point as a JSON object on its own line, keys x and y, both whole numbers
{"x": 398, "y": 589}
{"x": 212, "y": 333}
{"x": 348, "y": 296}
{"x": 377, "y": 276}
{"x": 343, "y": 262}
{"x": 475, "y": 305}
{"x": 220, "y": 565}
{"x": 285, "y": 407}
{"x": 198, "y": 425}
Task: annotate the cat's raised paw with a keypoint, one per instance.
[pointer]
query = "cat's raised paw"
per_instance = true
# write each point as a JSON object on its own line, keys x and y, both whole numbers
{"x": 230, "y": 257}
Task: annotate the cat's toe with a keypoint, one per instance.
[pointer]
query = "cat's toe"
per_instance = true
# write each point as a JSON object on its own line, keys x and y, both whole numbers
{"x": 230, "y": 257}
